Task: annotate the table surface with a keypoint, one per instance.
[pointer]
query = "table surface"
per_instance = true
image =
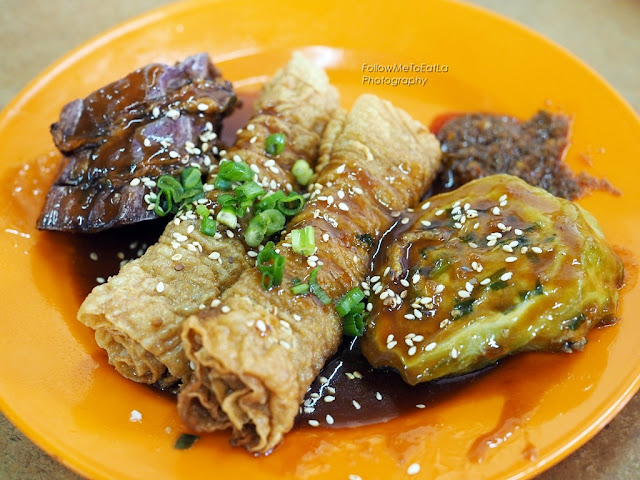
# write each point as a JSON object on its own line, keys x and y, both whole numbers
{"x": 604, "y": 33}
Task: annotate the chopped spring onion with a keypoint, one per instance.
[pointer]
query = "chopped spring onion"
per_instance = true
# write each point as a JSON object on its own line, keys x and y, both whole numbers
{"x": 265, "y": 223}
{"x": 302, "y": 171}
{"x": 349, "y": 301}
{"x": 291, "y": 204}
{"x": 316, "y": 288}
{"x": 271, "y": 264}
{"x": 173, "y": 194}
{"x": 303, "y": 240}
{"x": 202, "y": 211}
{"x": 168, "y": 202}
{"x": 300, "y": 289}
{"x": 248, "y": 191}
{"x": 222, "y": 183}
{"x": 185, "y": 441}
{"x": 227, "y": 199}
{"x": 275, "y": 143}
{"x": 208, "y": 226}
{"x": 235, "y": 171}
{"x": 353, "y": 324}
{"x": 191, "y": 177}
{"x": 269, "y": 200}
{"x": 227, "y": 216}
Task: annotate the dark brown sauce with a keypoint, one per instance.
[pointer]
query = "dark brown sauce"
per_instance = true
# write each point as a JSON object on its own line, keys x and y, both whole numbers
{"x": 381, "y": 394}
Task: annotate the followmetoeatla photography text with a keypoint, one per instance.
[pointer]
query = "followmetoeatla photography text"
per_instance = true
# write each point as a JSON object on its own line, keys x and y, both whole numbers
{"x": 397, "y": 74}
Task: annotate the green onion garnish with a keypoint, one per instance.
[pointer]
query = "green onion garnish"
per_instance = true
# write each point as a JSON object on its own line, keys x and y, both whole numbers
{"x": 168, "y": 202}
{"x": 235, "y": 171}
{"x": 172, "y": 194}
{"x": 291, "y": 204}
{"x": 302, "y": 171}
{"x": 208, "y": 226}
{"x": 271, "y": 264}
{"x": 300, "y": 289}
{"x": 265, "y": 223}
{"x": 274, "y": 144}
{"x": 316, "y": 288}
{"x": 303, "y": 240}
{"x": 349, "y": 301}
{"x": 270, "y": 200}
{"x": 185, "y": 441}
{"x": 227, "y": 216}
{"x": 190, "y": 177}
{"x": 248, "y": 191}
{"x": 227, "y": 199}
{"x": 353, "y": 324}
{"x": 202, "y": 211}
{"x": 222, "y": 183}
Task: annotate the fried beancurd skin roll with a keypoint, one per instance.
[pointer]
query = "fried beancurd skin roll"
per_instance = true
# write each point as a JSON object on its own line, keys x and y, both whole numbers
{"x": 138, "y": 313}
{"x": 493, "y": 268}
{"x": 256, "y": 354}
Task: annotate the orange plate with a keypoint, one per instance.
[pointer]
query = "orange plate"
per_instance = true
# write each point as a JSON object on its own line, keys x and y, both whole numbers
{"x": 55, "y": 384}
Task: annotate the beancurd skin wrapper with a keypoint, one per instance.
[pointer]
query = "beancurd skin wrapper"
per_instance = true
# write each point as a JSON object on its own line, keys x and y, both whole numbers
{"x": 138, "y": 313}
{"x": 257, "y": 353}
{"x": 541, "y": 285}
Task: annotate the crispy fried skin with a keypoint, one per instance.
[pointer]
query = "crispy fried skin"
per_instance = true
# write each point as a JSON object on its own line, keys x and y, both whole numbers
{"x": 257, "y": 353}
{"x": 138, "y": 325}
{"x": 535, "y": 274}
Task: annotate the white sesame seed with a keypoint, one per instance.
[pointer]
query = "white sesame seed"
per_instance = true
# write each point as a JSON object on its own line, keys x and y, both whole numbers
{"x": 329, "y": 419}
{"x": 464, "y": 294}
{"x": 495, "y": 211}
{"x": 323, "y": 380}
{"x": 506, "y": 276}
{"x": 314, "y": 423}
{"x": 425, "y": 205}
{"x": 412, "y": 351}
{"x": 454, "y": 353}
{"x": 329, "y": 398}
{"x": 413, "y": 469}
{"x": 468, "y": 287}
{"x": 510, "y": 259}
{"x": 418, "y": 338}
{"x": 440, "y": 288}
{"x": 386, "y": 271}
{"x": 100, "y": 279}
{"x": 176, "y": 257}
{"x": 134, "y": 182}
{"x": 507, "y": 248}
{"x": 430, "y": 347}
{"x": 410, "y": 316}
{"x": 439, "y": 212}
{"x": 390, "y": 337}
{"x": 341, "y": 168}
{"x": 203, "y": 107}
{"x": 215, "y": 303}
{"x": 135, "y": 416}
{"x": 404, "y": 283}
{"x": 476, "y": 225}
{"x": 517, "y": 231}
{"x": 536, "y": 249}
{"x": 420, "y": 405}
{"x": 356, "y": 405}
{"x": 390, "y": 345}
{"x": 404, "y": 221}
{"x": 503, "y": 204}
{"x": 343, "y": 206}
{"x": 225, "y": 309}
{"x": 378, "y": 396}
{"x": 93, "y": 256}
{"x": 260, "y": 325}
{"x": 160, "y": 287}
{"x": 486, "y": 281}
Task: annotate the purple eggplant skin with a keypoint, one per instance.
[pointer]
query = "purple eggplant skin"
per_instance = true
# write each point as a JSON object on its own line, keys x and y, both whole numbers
{"x": 120, "y": 139}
